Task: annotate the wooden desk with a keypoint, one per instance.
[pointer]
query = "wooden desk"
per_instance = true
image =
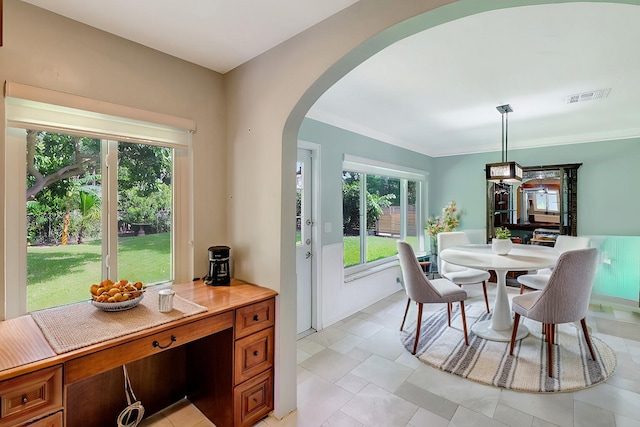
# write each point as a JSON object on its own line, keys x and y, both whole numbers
{"x": 221, "y": 360}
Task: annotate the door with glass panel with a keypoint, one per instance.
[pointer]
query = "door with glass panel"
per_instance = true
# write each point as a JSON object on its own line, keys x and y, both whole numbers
{"x": 304, "y": 224}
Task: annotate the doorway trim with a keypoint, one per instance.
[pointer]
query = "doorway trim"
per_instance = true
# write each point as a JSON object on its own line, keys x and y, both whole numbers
{"x": 316, "y": 235}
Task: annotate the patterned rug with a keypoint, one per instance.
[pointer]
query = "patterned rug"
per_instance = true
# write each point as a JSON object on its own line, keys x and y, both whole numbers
{"x": 489, "y": 362}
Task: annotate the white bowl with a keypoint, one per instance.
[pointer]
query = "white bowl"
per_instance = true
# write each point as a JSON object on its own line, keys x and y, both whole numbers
{"x": 118, "y": 306}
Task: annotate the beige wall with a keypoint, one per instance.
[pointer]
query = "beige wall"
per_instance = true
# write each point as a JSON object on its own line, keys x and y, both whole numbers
{"x": 267, "y": 99}
{"x": 46, "y": 50}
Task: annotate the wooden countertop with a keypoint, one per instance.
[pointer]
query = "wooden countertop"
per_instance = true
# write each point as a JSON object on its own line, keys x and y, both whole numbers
{"x": 25, "y": 349}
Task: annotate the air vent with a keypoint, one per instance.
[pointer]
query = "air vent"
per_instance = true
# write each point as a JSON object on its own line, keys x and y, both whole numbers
{"x": 588, "y": 96}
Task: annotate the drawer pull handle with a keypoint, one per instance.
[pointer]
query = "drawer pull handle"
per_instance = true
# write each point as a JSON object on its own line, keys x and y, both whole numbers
{"x": 255, "y": 400}
{"x": 256, "y": 318}
{"x": 25, "y": 399}
{"x": 157, "y": 344}
{"x": 255, "y": 353}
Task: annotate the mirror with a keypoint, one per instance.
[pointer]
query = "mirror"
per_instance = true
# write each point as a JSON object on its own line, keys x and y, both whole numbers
{"x": 537, "y": 209}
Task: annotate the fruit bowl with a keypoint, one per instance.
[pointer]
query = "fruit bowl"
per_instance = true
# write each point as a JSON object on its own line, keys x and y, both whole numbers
{"x": 116, "y": 296}
{"x": 118, "y": 306}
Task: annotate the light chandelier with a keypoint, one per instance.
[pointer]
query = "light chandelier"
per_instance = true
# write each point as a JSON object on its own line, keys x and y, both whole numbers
{"x": 505, "y": 171}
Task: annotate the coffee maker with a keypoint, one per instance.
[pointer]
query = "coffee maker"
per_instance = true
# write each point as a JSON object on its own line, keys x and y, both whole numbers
{"x": 219, "y": 272}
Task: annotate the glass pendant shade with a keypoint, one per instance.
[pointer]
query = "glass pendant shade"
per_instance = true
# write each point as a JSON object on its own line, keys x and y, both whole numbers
{"x": 504, "y": 171}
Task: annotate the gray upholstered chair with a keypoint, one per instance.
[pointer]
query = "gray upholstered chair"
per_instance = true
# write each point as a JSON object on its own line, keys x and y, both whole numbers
{"x": 539, "y": 279}
{"x": 425, "y": 291}
{"x": 460, "y": 275}
{"x": 565, "y": 298}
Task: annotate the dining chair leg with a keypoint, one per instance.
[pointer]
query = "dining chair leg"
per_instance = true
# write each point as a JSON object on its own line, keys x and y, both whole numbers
{"x": 521, "y": 289}
{"x": 415, "y": 344}
{"x": 464, "y": 323}
{"x": 585, "y": 330}
{"x": 514, "y": 332}
{"x": 484, "y": 289}
{"x": 405, "y": 313}
{"x": 449, "y": 314}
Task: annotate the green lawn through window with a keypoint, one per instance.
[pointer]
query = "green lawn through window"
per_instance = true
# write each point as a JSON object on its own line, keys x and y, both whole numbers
{"x": 377, "y": 248}
{"x": 63, "y": 274}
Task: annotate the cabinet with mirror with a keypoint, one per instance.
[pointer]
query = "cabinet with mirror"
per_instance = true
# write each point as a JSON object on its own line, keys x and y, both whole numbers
{"x": 537, "y": 209}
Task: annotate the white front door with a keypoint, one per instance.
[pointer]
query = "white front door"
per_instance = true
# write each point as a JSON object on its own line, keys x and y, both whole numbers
{"x": 304, "y": 224}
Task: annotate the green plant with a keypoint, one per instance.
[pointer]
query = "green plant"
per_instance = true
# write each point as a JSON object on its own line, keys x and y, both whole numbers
{"x": 502, "y": 233}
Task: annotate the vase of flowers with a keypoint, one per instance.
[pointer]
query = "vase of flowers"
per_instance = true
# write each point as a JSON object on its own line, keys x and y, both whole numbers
{"x": 501, "y": 244}
{"x": 448, "y": 221}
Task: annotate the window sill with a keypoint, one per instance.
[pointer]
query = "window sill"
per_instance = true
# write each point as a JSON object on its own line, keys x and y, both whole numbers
{"x": 350, "y": 277}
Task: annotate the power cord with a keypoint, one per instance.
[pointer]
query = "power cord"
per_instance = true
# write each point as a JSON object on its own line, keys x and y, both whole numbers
{"x": 132, "y": 414}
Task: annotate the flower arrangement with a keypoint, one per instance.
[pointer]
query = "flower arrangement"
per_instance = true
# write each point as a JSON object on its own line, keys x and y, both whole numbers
{"x": 448, "y": 221}
{"x": 502, "y": 233}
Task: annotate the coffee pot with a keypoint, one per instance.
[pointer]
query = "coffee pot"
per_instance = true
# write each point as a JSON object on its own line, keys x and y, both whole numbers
{"x": 219, "y": 271}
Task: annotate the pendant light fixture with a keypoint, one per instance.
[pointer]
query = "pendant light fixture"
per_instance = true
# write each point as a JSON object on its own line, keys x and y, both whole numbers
{"x": 505, "y": 171}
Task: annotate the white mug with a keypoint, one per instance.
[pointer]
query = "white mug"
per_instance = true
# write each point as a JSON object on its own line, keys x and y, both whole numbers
{"x": 165, "y": 300}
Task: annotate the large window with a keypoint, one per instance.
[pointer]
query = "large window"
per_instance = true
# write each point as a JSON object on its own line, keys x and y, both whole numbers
{"x": 104, "y": 200}
{"x": 379, "y": 209}
{"x": 547, "y": 201}
{"x": 67, "y": 206}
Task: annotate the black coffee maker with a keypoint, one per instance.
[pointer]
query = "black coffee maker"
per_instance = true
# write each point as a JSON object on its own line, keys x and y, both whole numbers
{"x": 219, "y": 273}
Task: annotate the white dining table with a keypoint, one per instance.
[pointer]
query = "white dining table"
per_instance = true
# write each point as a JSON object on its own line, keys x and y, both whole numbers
{"x": 482, "y": 257}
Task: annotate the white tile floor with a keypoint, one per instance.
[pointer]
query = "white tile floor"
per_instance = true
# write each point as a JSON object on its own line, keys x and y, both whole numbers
{"x": 356, "y": 373}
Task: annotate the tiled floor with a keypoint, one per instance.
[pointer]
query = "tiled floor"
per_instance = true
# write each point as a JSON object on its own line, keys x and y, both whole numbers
{"x": 356, "y": 373}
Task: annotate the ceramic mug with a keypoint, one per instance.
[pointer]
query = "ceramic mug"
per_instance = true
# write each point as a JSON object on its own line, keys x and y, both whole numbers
{"x": 165, "y": 300}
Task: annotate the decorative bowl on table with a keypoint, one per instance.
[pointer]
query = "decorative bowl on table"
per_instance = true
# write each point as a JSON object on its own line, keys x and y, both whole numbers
{"x": 118, "y": 306}
{"x": 116, "y": 296}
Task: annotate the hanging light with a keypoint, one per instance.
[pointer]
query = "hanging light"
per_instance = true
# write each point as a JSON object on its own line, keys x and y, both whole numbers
{"x": 504, "y": 171}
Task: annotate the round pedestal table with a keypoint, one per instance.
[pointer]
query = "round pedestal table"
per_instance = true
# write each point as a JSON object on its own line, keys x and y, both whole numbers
{"x": 520, "y": 257}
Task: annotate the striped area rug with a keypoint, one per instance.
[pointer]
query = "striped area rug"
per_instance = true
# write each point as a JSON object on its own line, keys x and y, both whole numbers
{"x": 489, "y": 362}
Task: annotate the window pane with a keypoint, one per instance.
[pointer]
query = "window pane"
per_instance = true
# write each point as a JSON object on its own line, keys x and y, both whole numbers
{"x": 299, "y": 185}
{"x": 383, "y": 216}
{"x": 64, "y": 234}
{"x": 351, "y": 217}
{"x": 412, "y": 222}
{"x": 552, "y": 201}
{"x": 145, "y": 200}
{"x": 541, "y": 202}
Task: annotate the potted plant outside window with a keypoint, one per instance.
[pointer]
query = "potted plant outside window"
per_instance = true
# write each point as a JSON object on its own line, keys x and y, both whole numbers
{"x": 501, "y": 244}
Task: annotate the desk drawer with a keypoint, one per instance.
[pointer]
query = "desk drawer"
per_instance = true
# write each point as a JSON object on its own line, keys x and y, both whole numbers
{"x": 30, "y": 396}
{"x": 253, "y": 355}
{"x": 54, "y": 420}
{"x": 102, "y": 361}
{"x": 255, "y": 317}
{"x": 253, "y": 400}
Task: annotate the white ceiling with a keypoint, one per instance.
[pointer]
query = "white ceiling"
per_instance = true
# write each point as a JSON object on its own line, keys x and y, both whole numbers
{"x": 435, "y": 92}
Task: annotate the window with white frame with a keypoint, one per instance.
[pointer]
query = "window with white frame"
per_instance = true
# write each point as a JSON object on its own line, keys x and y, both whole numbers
{"x": 103, "y": 201}
{"x": 381, "y": 204}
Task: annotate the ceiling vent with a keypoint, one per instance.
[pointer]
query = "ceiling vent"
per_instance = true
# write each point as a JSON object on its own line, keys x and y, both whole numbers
{"x": 588, "y": 96}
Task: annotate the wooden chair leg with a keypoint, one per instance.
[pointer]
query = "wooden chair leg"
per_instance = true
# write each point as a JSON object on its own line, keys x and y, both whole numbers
{"x": 514, "y": 333}
{"x": 464, "y": 323}
{"x": 585, "y": 330}
{"x": 405, "y": 313}
{"x": 484, "y": 289}
{"x": 521, "y": 289}
{"x": 415, "y": 344}
{"x": 449, "y": 314}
